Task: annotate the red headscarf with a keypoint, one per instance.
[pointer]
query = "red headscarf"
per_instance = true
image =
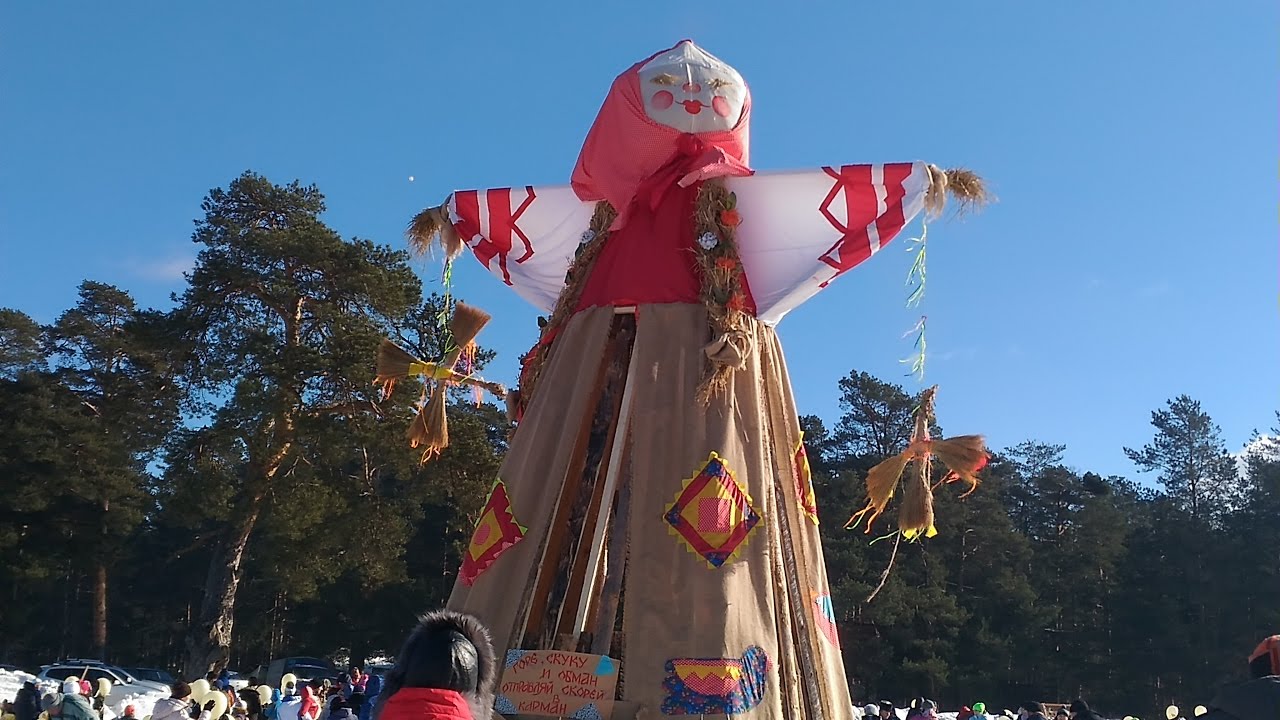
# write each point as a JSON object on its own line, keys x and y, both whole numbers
{"x": 624, "y": 148}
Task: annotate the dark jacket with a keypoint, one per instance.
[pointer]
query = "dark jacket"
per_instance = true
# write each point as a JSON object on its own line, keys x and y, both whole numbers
{"x": 252, "y": 701}
{"x": 341, "y": 712}
{"x": 1258, "y": 698}
{"x": 26, "y": 704}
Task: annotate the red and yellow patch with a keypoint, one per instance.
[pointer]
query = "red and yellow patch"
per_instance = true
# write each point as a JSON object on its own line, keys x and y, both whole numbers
{"x": 496, "y": 531}
{"x": 712, "y": 513}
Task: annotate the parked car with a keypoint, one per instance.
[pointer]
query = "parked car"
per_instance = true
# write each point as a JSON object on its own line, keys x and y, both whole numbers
{"x": 122, "y": 682}
{"x": 238, "y": 682}
{"x": 305, "y": 668}
{"x": 151, "y": 674}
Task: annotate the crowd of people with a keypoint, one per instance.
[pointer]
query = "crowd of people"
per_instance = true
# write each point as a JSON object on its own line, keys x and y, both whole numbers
{"x": 1255, "y": 699}
{"x": 926, "y": 709}
{"x": 447, "y": 670}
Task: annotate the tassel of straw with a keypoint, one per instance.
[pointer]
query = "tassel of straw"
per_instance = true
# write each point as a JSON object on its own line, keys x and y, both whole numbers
{"x": 915, "y": 517}
{"x": 429, "y": 430}
{"x": 964, "y": 456}
{"x": 882, "y": 480}
{"x": 393, "y": 363}
{"x": 466, "y": 324}
{"x": 433, "y": 225}
{"x": 965, "y": 186}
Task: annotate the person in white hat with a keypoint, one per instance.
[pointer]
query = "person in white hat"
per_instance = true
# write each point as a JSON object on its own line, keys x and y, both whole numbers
{"x": 73, "y": 705}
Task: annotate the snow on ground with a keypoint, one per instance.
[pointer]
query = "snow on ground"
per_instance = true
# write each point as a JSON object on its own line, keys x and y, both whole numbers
{"x": 11, "y": 682}
{"x": 142, "y": 703}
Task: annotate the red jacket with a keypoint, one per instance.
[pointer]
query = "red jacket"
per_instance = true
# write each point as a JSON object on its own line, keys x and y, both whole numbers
{"x": 426, "y": 704}
{"x": 310, "y": 709}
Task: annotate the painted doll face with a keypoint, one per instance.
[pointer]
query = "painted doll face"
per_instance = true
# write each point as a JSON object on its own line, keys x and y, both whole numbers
{"x": 691, "y": 90}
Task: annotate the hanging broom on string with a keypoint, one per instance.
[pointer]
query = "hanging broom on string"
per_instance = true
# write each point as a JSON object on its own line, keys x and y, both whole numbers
{"x": 429, "y": 429}
{"x": 963, "y": 456}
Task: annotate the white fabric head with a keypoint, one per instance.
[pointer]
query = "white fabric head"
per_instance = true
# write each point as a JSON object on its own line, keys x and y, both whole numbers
{"x": 691, "y": 90}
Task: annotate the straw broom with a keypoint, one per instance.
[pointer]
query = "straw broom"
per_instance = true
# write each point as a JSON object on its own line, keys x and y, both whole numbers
{"x": 430, "y": 430}
{"x": 963, "y": 457}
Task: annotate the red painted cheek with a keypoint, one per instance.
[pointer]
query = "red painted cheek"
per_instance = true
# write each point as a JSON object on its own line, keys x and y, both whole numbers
{"x": 721, "y": 106}
{"x": 662, "y": 100}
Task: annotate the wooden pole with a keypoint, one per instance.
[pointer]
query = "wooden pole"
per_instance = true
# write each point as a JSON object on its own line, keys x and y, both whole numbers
{"x": 617, "y": 452}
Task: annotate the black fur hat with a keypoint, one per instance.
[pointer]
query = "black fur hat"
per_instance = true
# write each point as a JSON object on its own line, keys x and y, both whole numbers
{"x": 447, "y": 651}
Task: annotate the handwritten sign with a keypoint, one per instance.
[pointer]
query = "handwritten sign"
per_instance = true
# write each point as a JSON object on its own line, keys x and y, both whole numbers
{"x": 557, "y": 684}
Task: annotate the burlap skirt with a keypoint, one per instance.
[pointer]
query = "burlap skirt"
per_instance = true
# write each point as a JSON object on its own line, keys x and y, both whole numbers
{"x": 725, "y": 604}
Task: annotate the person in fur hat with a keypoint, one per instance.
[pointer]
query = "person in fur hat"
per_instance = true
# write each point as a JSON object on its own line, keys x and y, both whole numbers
{"x": 446, "y": 671}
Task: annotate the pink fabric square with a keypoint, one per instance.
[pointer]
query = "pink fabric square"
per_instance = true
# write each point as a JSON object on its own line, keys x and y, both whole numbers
{"x": 715, "y": 515}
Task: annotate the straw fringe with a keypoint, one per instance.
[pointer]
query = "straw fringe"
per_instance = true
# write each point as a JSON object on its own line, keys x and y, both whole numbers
{"x": 965, "y": 186}
{"x": 432, "y": 226}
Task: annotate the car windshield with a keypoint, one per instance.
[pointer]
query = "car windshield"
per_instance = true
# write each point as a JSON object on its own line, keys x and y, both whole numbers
{"x": 311, "y": 672}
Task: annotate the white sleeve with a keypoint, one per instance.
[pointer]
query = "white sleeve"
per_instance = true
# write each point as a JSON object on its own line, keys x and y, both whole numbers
{"x": 802, "y": 229}
{"x": 526, "y": 236}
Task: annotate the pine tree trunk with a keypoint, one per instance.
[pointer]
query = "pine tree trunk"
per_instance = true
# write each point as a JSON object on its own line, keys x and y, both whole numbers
{"x": 100, "y": 610}
{"x": 100, "y": 594}
{"x": 209, "y": 642}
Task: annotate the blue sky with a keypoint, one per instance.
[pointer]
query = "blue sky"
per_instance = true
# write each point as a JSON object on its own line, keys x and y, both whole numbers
{"x": 1132, "y": 256}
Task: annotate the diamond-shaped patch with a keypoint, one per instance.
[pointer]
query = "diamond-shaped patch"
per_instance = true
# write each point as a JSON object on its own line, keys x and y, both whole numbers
{"x": 496, "y": 531}
{"x": 712, "y": 513}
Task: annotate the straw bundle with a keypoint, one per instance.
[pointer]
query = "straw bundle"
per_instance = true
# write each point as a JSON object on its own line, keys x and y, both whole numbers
{"x": 392, "y": 364}
{"x": 716, "y": 219}
{"x": 965, "y": 186}
{"x": 963, "y": 457}
{"x": 431, "y": 428}
{"x": 916, "y": 514}
{"x": 433, "y": 225}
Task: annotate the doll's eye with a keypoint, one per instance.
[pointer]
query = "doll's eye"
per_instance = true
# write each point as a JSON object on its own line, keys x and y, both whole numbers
{"x": 717, "y": 83}
{"x": 665, "y": 79}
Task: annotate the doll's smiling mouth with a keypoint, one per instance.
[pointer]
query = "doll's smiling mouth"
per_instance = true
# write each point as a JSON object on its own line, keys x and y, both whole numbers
{"x": 693, "y": 107}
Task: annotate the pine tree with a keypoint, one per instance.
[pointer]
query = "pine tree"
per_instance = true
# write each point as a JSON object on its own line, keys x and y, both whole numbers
{"x": 284, "y": 317}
